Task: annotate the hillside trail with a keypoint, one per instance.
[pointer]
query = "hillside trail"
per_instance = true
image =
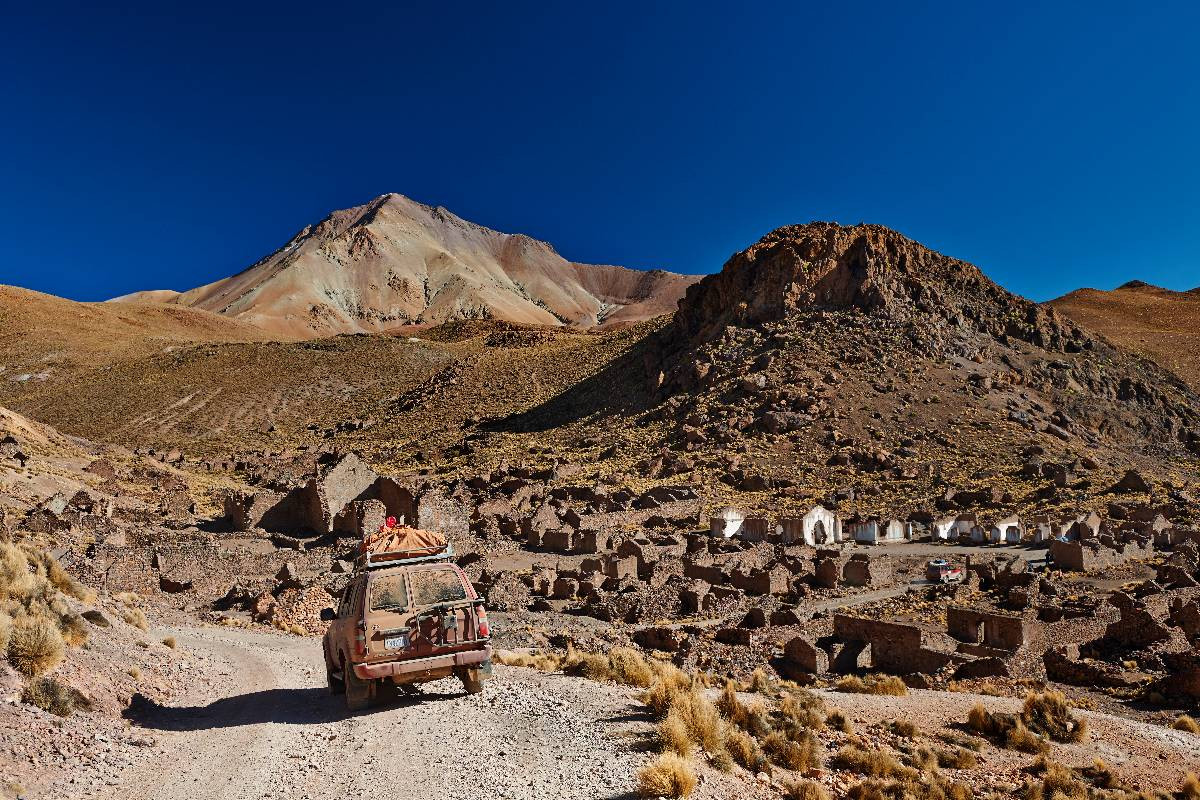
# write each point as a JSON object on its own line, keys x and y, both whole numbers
{"x": 260, "y": 723}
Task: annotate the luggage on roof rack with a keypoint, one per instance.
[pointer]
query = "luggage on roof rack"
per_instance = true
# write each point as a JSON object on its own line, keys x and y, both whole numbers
{"x": 394, "y": 543}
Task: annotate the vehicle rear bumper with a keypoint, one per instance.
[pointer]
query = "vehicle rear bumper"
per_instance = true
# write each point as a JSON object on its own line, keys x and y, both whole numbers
{"x": 389, "y": 669}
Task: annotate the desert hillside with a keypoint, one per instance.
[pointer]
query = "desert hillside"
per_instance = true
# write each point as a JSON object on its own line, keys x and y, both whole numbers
{"x": 394, "y": 262}
{"x": 1158, "y": 323}
{"x": 47, "y": 337}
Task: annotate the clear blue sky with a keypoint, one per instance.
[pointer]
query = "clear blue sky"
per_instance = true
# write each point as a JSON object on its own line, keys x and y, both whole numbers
{"x": 150, "y": 147}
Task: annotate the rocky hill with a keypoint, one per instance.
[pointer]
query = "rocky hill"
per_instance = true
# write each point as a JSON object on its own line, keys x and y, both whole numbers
{"x": 856, "y": 363}
{"x": 394, "y": 262}
{"x": 1158, "y": 323}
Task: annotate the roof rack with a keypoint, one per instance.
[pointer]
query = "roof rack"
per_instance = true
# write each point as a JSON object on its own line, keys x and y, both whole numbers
{"x": 391, "y": 558}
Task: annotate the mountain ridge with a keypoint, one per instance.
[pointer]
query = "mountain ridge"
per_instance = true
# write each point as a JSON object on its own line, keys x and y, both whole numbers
{"x": 394, "y": 262}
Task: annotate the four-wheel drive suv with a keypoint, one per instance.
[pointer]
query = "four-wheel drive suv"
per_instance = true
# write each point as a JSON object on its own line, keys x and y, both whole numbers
{"x": 403, "y": 625}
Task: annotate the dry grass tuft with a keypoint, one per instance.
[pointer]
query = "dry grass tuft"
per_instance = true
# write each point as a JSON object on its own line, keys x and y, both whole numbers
{"x": 135, "y": 617}
{"x": 1185, "y": 723}
{"x": 959, "y": 758}
{"x": 804, "y": 790}
{"x": 1190, "y": 790}
{"x": 801, "y": 754}
{"x": 760, "y": 682}
{"x": 904, "y": 728}
{"x": 745, "y": 751}
{"x": 134, "y": 672}
{"x": 35, "y": 646}
{"x": 872, "y": 763}
{"x": 49, "y": 695}
{"x": 669, "y": 775}
{"x": 872, "y": 684}
{"x": 1007, "y": 729}
{"x": 1049, "y": 714}
{"x": 1057, "y": 783}
{"x": 673, "y": 735}
{"x": 838, "y": 720}
{"x": 170, "y": 642}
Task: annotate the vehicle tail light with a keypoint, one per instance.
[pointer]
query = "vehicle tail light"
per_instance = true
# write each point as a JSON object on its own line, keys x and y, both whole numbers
{"x": 360, "y": 639}
{"x": 481, "y": 621}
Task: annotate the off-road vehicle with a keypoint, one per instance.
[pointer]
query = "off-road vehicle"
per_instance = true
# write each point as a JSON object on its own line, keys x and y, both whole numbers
{"x": 402, "y": 621}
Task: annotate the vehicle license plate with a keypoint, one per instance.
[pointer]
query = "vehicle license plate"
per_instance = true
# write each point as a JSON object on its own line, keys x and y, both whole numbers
{"x": 396, "y": 643}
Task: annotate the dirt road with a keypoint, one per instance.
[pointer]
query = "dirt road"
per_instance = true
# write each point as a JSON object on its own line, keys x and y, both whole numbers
{"x": 261, "y": 724}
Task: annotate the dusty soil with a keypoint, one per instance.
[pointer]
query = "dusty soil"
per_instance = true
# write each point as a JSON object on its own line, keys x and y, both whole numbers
{"x": 258, "y": 722}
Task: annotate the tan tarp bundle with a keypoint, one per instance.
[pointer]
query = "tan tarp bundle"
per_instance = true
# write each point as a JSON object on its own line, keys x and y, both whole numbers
{"x": 404, "y": 541}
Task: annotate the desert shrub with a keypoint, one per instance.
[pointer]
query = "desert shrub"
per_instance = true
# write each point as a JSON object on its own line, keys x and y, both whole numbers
{"x": 968, "y": 741}
{"x": 745, "y": 751}
{"x": 673, "y": 735}
{"x": 872, "y": 763}
{"x": 128, "y": 598}
{"x": 6, "y": 626}
{"x": 924, "y": 758}
{"x": 760, "y": 682}
{"x": 872, "y": 684}
{"x": 622, "y": 665}
{"x": 838, "y": 720}
{"x": 669, "y": 775}
{"x": 751, "y": 717}
{"x": 170, "y": 642}
{"x": 74, "y": 629}
{"x": 702, "y": 719}
{"x": 904, "y": 728}
{"x": 867, "y": 790}
{"x": 1190, "y": 790}
{"x": 134, "y": 672}
{"x": 1185, "y": 723}
{"x": 958, "y": 758}
{"x": 543, "y": 662}
{"x": 721, "y": 760}
{"x": 663, "y": 694}
{"x": 1009, "y": 730}
{"x": 135, "y": 617}
{"x": 1100, "y": 775}
{"x": 49, "y": 695}
{"x": 1049, "y": 714}
{"x": 35, "y": 646}
{"x": 62, "y": 581}
{"x": 1020, "y": 738}
{"x": 800, "y": 754}
{"x": 804, "y": 790}
{"x": 1057, "y": 783}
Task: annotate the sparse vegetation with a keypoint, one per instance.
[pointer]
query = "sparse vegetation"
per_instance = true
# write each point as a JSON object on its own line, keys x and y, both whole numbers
{"x": 170, "y": 642}
{"x": 746, "y": 751}
{"x": 35, "y": 646}
{"x": 838, "y": 720}
{"x": 1007, "y": 730}
{"x": 800, "y": 754}
{"x": 1190, "y": 790}
{"x": 50, "y": 695}
{"x": 1049, "y": 714}
{"x": 135, "y": 617}
{"x": 904, "y": 728}
{"x": 673, "y": 735}
{"x": 872, "y": 684}
{"x": 669, "y": 775}
{"x": 872, "y": 763}
{"x": 1185, "y": 723}
{"x": 1057, "y": 783}
{"x": 804, "y": 790}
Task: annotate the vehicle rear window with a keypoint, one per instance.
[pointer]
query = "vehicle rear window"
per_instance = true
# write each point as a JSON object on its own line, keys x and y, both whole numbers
{"x": 388, "y": 592}
{"x": 430, "y": 586}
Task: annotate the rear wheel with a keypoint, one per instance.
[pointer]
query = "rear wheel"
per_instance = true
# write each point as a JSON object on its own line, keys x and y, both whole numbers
{"x": 359, "y": 693}
{"x": 472, "y": 680}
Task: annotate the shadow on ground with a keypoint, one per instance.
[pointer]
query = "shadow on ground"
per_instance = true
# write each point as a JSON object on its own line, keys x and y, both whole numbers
{"x": 285, "y": 706}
